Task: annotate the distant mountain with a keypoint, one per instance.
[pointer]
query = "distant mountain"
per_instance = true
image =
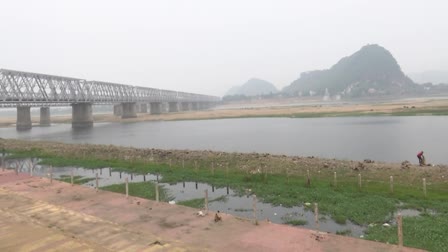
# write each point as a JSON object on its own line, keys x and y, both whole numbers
{"x": 253, "y": 87}
{"x": 370, "y": 71}
{"x": 435, "y": 77}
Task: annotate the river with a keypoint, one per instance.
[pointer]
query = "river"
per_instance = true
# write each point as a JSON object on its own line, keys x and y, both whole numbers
{"x": 380, "y": 138}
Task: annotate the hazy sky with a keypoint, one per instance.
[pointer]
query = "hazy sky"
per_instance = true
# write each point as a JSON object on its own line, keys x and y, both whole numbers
{"x": 208, "y": 46}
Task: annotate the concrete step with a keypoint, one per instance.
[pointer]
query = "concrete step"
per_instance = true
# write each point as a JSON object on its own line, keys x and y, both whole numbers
{"x": 69, "y": 228}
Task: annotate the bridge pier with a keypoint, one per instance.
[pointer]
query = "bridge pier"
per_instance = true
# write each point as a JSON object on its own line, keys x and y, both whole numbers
{"x": 206, "y": 105}
{"x": 173, "y": 107}
{"x": 155, "y": 108}
{"x": 165, "y": 107}
{"x": 185, "y": 106}
{"x": 118, "y": 110}
{"x": 82, "y": 116}
{"x": 45, "y": 116}
{"x": 143, "y": 108}
{"x": 195, "y": 105}
{"x": 23, "y": 118}
{"x": 129, "y": 110}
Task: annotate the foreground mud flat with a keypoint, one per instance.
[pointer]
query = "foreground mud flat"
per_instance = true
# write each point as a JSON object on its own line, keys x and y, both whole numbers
{"x": 57, "y": 216}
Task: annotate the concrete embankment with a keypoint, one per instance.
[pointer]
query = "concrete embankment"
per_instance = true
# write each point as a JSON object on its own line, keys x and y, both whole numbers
{"x": 39, "y": 215}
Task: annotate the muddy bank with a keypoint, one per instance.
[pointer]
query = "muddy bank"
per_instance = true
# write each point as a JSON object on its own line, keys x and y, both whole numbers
{"x": 250, "y": 163}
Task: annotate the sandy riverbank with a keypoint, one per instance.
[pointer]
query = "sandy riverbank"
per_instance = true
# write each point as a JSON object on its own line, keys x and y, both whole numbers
{"x": 416, "y": 106}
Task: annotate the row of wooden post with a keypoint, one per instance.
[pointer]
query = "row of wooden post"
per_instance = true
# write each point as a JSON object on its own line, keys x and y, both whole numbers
{"x": 399, "y": 224}
{"x": 254, "y": 204}
{"x": 391, "y": 179}
{"x": 391, "y": 182}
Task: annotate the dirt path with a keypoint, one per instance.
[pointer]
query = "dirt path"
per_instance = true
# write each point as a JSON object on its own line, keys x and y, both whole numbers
{"x": 39, "y": 216}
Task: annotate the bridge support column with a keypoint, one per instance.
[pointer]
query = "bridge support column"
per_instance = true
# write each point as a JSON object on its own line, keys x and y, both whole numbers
{"x": 156, "y": 108}
{"x": 173, "y": 107}
{"x": 143, "y": 108}
{"x": 45, "y": 116}
{"x": 82, "y": 116}
{"x": 165, "y": 107}
{"x": 205, "y": 105}
{"x": 118, "y": 110}
{"x": 185, "y": 106}
{"x": 23, "y": 118}
{"x": 129, "y": 110}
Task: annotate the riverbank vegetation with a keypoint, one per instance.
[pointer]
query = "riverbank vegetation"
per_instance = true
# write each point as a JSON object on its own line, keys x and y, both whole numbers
{"x": 141, "y": 189}
{"x": 360, "y": 191}
{"x": 77, "y": 180}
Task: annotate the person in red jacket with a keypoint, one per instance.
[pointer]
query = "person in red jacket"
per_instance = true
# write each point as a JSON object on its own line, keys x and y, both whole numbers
{"x": 421, "y": 158}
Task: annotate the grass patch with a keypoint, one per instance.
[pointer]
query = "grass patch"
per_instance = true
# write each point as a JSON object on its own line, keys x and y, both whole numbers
{"x": 200, "y": 202}
{"x": 141, "y": 189}
{"x": 344, "y": 232}
{"x": 297, "y": 222}
{"x": 426, "y": 232}
{"x": 78, "y": 180}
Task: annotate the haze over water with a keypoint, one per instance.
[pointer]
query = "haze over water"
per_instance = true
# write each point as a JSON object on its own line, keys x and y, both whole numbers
{"x": 391, "y": 139}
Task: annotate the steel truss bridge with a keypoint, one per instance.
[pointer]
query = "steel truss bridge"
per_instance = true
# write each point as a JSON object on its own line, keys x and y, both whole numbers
{"x": 42, "y": 90}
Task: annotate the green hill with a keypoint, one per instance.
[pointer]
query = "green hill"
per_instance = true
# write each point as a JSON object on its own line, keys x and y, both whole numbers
{"x": 371, "y": 71}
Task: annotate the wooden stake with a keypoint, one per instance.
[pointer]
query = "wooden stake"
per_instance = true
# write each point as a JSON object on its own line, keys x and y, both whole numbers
{"x": 71, "y": 177}
{"x": 266, "y": 174}
{"x": 400, "y": 230}
{"x": 359, "y": 181}
{"x": 206, "y": 201}
{"x": 391, "y": 184}
{"x": 127, "y": 187}
{"x": 51, "y": 174}
{"x": 157, "y": 192}
{"x": 96, "y": 182}
{"x": 335, "y": 180}
{"x": 254, "y": 207}
{"x": 424, "y": 186}
{"x": 170, "y": 162}
{"x": 308, "y": 180}
{"x": 316, "y": 215}
{"x": 2, "y": 159}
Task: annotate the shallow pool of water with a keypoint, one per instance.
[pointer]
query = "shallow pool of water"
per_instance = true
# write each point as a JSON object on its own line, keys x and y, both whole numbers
{"x": 233, "y": 203}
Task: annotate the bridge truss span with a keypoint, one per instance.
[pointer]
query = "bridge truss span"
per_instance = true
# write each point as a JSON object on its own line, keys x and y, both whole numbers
{"x": 33, "y": 89}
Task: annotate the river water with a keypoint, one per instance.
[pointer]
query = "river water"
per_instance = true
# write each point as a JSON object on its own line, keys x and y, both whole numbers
{"x": 382, "y": 138}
